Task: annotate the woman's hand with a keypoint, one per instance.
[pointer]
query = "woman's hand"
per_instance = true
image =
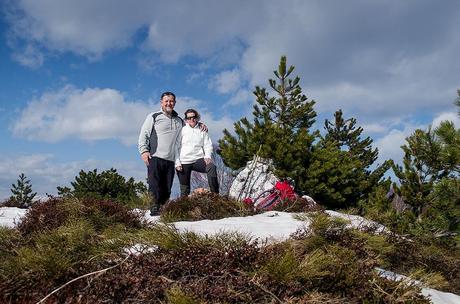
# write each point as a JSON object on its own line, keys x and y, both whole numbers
{"x": 179, "y": 168}
{"x": 207, "y": 161}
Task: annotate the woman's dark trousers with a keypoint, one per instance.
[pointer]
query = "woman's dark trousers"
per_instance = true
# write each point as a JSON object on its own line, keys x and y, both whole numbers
{"x": 199, "y": 166}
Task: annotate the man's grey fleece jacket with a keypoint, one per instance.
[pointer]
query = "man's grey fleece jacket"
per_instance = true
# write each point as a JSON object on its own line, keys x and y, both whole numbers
{"x": 160, "y": 135}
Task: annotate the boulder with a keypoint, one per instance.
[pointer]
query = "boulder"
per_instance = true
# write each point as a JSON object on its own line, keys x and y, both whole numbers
{"x": 310, "y": 200}
{"x": 254, "y": 179}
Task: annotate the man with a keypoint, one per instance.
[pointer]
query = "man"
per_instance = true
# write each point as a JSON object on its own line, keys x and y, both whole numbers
{"x": 158, "y": 145}
{"x": 195, "y": 154}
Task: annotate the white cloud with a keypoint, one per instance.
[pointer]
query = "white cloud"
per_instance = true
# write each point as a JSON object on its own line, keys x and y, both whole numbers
{"x": 200, "y": 29}
{"x": 97, "y": 114}
{"x": 450, "y": 116}
{"x": 341, "y": 62}
{"x": 30, "y": 57}
{"x": 241, "y": 97}
{"x": 84, "y": 27}
{"x": 389, "y": 145}
{"x": 215, "y": 125}
{"x": 226, "y": 81}
{"x": 90, "y": 114}
{"x": 374, "y": 128}
{"x": 340, "y": 96}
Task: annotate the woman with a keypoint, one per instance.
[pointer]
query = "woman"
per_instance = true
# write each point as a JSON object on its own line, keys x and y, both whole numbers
{"x": 195, "y": 154}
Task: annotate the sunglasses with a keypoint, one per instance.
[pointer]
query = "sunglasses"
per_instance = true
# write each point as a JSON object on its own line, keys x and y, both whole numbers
{"x": 190, "y": 117}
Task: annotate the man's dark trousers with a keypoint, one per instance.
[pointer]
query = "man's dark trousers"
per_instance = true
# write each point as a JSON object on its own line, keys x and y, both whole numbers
{"x": 199, "y": 166}
{"x": 160, "y": 180}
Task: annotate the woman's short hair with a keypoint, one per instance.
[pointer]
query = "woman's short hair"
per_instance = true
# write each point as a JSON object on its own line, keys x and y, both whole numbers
{"x": 194, "y": 112}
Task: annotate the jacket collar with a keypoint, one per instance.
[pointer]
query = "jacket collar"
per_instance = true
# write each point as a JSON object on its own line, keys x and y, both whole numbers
{"x": 173, "y": 113}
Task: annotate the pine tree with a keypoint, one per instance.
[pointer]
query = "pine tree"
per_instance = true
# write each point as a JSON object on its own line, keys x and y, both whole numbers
{"x": 429, "y": 157}
{"x": 22, "y": 192}
{"x": 340, "y": 174}
{"x": 347, "y": 136}
{"x": 280, "y": 130}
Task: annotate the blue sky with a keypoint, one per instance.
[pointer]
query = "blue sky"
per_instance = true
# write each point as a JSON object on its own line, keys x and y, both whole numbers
{"x": 78, "y": 77}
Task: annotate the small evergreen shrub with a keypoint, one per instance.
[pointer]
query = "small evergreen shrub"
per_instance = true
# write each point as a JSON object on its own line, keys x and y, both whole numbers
{"x": 203, "y": 206}
{"x": 176, "y": 296}
{"x": 298, "y": 205}
{"x": 45, "y": 216}
{"x": 54, "y": 212}
{"x": 189, "y": 268}
{"x": 415, "y": 254}
{"x": 325, "y": 262}
{"x": 9, "y": 240}
{"x": 107, "y": 185}
{"x": 22, "y": 193}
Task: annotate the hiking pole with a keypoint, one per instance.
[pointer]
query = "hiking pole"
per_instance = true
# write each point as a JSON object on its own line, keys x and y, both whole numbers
{"x": 250, "y": 173}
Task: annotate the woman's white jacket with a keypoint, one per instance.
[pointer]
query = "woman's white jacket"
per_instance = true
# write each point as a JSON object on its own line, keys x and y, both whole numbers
{"x": 194, "y": 144}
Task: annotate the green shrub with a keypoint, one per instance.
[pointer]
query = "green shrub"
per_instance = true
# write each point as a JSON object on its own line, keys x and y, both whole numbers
{"x": 298, "y": 205}
{"x": 203, "y": 206}
{"x": 107, "y": 185}
{"x": 176, "y": 296}
{"x": 72, "y": 238}
{"x": 47, "y": 215}
{"x": 59, "y": 240}
{"x": 426, "y": 255}
{"x": 22, "y": 193}
{"x": 54, "y": 253}
{"x": 51, "y": 214}
{"x": 282, "y": 267}
{"x": 9, "y": 240}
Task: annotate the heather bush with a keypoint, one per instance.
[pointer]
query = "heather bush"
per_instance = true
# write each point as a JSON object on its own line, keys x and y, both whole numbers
{"x": 203, "y": 206}
{"x": 325, "y": 262}
{"x": 176, "y": 296}
{"x": 432, "y": 256}
{"x": 297, "y": 205}
{"x": 54, "y": 253}
{"x": 200, "y": 269}
{"x": 317, "y": 260}
{"x": 427, "y": 256}
{"x": 189, "y": 268}
{"x": 9, "y": 240}
{"x": 47, "y": 215}
{"x": 61, "y": 239}
{"x": 54, "y": 212}
{"x": 317, "y": 298}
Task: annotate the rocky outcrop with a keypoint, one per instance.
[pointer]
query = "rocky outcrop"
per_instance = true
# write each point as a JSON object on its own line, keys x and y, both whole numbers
{"x": 255, "y": 178}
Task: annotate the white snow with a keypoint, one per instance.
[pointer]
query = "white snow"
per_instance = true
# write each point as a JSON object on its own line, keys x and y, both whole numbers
{"x": 435, "y": 296}
{"x": 270, "y": 226}
{"x": 358, "y": 222}
{"x": 10, "y": 216}
{"x": 137, "y": 249}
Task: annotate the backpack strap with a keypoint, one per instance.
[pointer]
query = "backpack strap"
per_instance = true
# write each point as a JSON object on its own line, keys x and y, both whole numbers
{"x": 174, "y": 114}
{"x": 154, "y": 117}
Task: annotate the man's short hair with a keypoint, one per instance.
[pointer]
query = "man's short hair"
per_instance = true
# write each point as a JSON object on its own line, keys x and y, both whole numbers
{"x": 168, "y": 94}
